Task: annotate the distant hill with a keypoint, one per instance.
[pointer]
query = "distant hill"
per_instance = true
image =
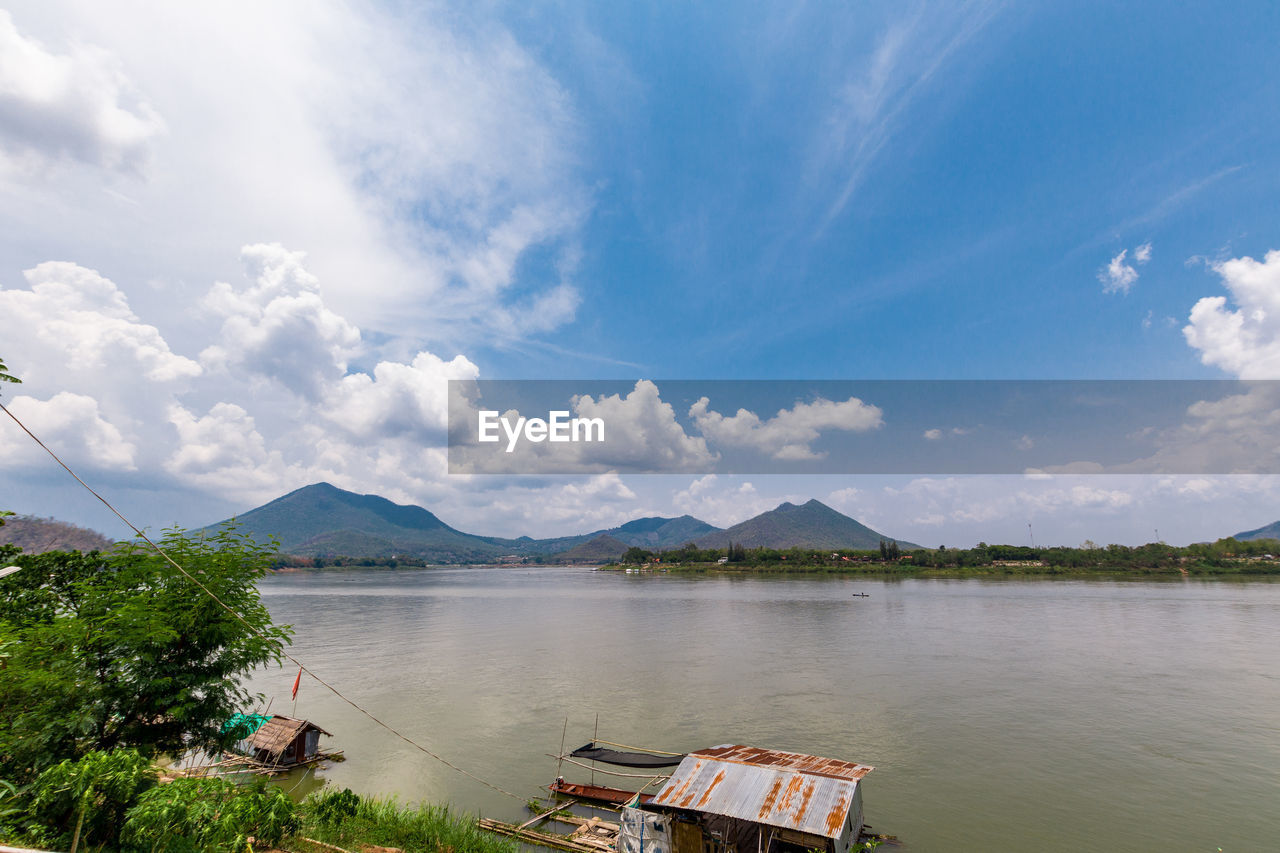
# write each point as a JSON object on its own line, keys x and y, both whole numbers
{"x": 658, "y": 533}
{"x": 38, "y": 535}
{"x": 599, "y": 550}
{"x": 323, "y": 520}
{"x": 1271, "y": 531}
{"x": 653, "y": 533}
{"x": 810, "y": 525}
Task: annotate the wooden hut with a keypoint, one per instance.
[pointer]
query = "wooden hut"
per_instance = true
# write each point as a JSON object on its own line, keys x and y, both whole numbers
{"x": 285, "y": 742}
{"x": 742, "y": 799}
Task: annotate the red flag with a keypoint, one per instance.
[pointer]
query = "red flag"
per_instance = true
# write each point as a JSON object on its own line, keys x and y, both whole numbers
{"x": 297, "y": 679}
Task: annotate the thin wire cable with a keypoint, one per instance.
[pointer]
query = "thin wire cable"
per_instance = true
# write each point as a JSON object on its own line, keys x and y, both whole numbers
{"x": 335, "y": 691}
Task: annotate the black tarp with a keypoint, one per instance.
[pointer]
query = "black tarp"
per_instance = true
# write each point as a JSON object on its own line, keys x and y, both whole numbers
{"x": 591, "y": 752}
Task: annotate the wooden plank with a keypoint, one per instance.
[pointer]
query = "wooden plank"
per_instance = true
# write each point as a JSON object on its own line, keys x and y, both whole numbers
{"x": 556, "y": 842}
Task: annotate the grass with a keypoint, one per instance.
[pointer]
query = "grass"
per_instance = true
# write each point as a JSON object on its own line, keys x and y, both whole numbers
{"x": 388, "y": 823}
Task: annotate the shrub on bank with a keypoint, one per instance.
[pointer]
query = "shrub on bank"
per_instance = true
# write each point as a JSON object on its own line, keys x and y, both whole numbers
{"x": 344, "y": 819}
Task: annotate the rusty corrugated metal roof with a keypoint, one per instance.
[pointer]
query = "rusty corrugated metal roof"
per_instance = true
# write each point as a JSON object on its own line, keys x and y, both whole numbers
{"x": 784, "y": 789}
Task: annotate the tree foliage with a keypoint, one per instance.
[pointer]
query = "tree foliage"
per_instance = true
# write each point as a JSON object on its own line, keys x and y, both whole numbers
{"x": 84, "y": 802}
{"x": 5, "y": 375}
{"x": 114, "y": 649}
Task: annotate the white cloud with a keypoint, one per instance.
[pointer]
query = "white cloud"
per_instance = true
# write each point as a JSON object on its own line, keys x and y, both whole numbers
{"x": 721, "y": 503}
{"x": 76, "y": 105}
{"x": 417, "y": 158}
{"x": 1118, "y": 276}
{"x": 72, "y": 426}
{"x": 936, "y": 434}
{"x": 1024, "y": 443}
{"x": 641, "y": 433}
{"x": 399, "y": 399}
{"x": 279, "y": 328}
{"x": 1244, "y": 342}
{"x": 73, "y": 318}
{"x": 789, "y": 433}
{"x": 123, "y": 400}
{"x": 223, "y": 451}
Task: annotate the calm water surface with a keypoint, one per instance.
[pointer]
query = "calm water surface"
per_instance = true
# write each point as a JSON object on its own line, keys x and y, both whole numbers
{"x": 1000, "y": 715}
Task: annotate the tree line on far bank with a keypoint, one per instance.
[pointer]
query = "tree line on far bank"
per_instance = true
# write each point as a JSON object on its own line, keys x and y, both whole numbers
{"x": 1223, "y": 556}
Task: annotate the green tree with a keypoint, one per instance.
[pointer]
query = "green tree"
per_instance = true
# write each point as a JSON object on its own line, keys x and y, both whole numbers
{"x": 105, "y": 650}
{"x": 636, "y": 555}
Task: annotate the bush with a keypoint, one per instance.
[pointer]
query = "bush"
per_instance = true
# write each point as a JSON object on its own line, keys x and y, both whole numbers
{"x": 209, "y": 815}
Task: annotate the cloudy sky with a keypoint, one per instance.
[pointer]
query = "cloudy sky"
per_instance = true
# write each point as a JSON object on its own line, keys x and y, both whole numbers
{"x": 243, "y": 246}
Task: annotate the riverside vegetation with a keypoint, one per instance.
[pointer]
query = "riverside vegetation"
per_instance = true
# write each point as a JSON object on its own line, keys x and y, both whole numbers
{"x": 110, "y": 661}
{"x": 1224, "y": 557}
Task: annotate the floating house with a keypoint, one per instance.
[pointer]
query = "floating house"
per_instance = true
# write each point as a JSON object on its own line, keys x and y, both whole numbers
{"x": 743, "y": 799}
{"x": 279, "y": 741}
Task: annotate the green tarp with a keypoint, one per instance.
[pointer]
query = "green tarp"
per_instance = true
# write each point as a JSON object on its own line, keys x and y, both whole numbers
{"x": 243, "y": 725}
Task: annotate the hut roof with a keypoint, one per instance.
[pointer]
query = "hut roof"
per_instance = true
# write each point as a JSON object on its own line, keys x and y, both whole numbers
{"x": 276, "y": 734}
{"x": 784, "y": 789}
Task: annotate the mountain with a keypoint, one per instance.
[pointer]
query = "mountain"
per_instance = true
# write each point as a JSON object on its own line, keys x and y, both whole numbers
{"x": 658, "y": 533}
{"x": 38, "y": 535}
{"x": 598, "y": 550}
{"x": 810, "y": 525}
{"x": 324, "y": 520}
{"x": 1271, "y": 531}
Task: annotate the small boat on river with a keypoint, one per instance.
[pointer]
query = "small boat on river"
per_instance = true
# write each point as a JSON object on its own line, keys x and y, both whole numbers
{"x": 595, "y": 793}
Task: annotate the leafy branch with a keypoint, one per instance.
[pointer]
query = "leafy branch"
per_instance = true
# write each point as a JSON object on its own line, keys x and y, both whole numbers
{"x": 5, "y": 376}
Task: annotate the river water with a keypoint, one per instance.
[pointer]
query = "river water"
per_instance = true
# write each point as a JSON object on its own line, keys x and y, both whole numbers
{"x": 1001, "y": 715}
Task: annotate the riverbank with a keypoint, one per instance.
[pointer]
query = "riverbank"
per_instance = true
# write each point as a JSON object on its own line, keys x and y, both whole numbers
{"x": 909, "y": 570}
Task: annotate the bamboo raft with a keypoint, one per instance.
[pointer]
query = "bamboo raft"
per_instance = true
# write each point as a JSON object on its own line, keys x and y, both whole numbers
{"x": 592, "y": 835}
{"x": 234, "y": 763}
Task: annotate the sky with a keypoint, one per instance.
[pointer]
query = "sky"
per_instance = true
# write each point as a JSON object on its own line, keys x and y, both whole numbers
{"x": 244, "y": 247}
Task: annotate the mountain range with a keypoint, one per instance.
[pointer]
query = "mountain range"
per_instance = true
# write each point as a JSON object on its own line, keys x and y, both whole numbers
{"x": 323, "y": 520}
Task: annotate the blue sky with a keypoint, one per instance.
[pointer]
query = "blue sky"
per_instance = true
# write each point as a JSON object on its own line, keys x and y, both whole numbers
{"x": 249, "y": 255}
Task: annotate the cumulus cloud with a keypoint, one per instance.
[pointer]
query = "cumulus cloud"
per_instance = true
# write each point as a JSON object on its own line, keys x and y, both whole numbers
{"x": 279, "y": 327}
{"x": 720, "y": 502}
{"x": 640, "y": 434}
{"x": 122, "y": 399}
{"x": 74, "y": 318}
{"x": 73, "y": 427}
{"x": 224, "y": 452}
{"x": 933, "y": 434}
{"x": 788, "y": 434}
{"x": 73, "y": 105}
{"x": 398, "y": 399}
{"x": 1118, "y": 275}
{"x": 592, "y": 503}
{"x": 429, "y": 166}
{"x": 1244, "y": 341}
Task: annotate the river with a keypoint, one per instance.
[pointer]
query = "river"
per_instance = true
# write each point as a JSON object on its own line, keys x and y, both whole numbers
{"x": 1001, "y": 715}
